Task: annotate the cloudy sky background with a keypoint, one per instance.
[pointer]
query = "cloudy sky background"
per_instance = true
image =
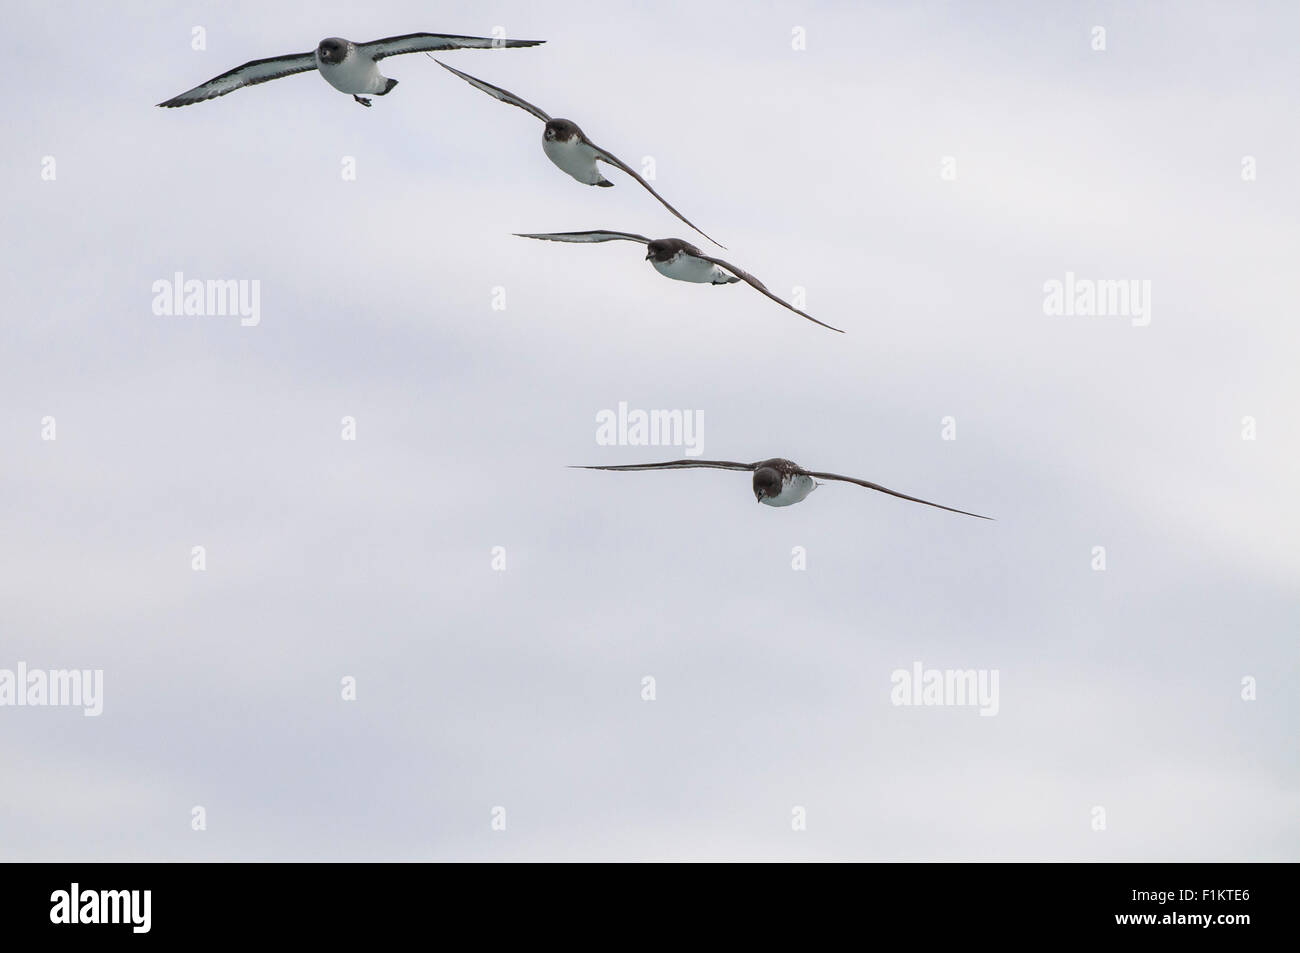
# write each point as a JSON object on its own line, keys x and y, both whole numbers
{"x": 521, "y": 688}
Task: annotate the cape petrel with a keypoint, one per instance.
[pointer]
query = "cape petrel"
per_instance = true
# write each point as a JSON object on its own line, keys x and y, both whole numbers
{"x": 674, "y": 258}
{"x": 569, "y": 148}
{"x": 349, "y": 67}
{"x": 779, "y": 482}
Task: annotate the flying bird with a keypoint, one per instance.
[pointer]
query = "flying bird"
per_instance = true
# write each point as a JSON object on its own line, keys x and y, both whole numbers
{"x": 779, "y": 482}
{"x": 569, "y": 148}
{"x": 349, "y": 67}
{"x": 674, "y": 258}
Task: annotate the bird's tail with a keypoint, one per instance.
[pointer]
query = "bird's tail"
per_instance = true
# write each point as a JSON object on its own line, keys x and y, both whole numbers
{"x": 388, "y": 88}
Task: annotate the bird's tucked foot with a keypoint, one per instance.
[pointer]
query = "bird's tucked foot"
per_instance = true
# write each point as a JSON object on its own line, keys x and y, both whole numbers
{"x": 364, "y": 102}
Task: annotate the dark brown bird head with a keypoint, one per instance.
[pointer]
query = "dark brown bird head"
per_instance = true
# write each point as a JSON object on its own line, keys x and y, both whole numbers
{"x": 664, "y": 249}
{"x": 561, "y": 130}
{"x": 767, "y": 483}
{"x": 332, "y": 50}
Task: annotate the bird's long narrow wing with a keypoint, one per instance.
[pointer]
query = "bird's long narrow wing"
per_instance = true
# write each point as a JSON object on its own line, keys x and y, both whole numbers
{"x": 496, "y": 92}
{"x": 614, "y": 160}
{"x": 424, "y": 42}
{"x": 250, "y": 74}
{"x": 883, "y": 489}
{"x": 757, "y": 285}
{"x": 679, "y": 465}
{"x": 596, "y": 236}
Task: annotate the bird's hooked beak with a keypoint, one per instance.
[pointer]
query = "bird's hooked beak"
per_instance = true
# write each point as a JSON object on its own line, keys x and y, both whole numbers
{"x": 647, "y": 254}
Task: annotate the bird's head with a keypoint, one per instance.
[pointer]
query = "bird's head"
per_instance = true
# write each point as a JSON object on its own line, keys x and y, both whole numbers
{"x": 767, "y": 483}
{"x": 332, "y": 50}
{"x": 560, "y": 130}
{"x": 661, "y": 249}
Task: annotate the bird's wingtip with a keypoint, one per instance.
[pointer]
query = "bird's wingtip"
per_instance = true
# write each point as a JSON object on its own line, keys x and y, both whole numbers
{"x": 828, "y": 327}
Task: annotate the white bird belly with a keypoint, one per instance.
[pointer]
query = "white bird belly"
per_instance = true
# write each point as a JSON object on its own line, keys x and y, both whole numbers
{"x": 356, "y": 75}
{"x": 793, "y": 490}
{"x": 574, "y": 157}
{"x": 689, "y": 268}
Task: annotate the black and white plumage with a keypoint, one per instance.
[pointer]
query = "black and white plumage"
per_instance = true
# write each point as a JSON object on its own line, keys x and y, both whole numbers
{"x": 680, "y": 260}
{"x": 566, "y": 145}
{"x": 779, "y": 482}
{"x": 348, "y": 67}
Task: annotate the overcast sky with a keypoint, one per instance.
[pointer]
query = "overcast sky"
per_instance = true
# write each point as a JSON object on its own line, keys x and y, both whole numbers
{"x": 830, "y": 168}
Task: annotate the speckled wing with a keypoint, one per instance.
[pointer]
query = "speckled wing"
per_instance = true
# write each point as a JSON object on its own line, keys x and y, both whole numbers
{"x": 757, "y": 285}
{"x": 496, "y": 92}
{"x": 250, "y": 74}
{"x": 902, "y": 496}
{"x": 679, "y": 465}
{"x": 595, "y": 236}
{"x": 429, "y": 42}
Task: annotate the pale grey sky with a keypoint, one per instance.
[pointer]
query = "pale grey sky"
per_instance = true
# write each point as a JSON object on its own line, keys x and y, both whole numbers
{"x": 521, "y": 688}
